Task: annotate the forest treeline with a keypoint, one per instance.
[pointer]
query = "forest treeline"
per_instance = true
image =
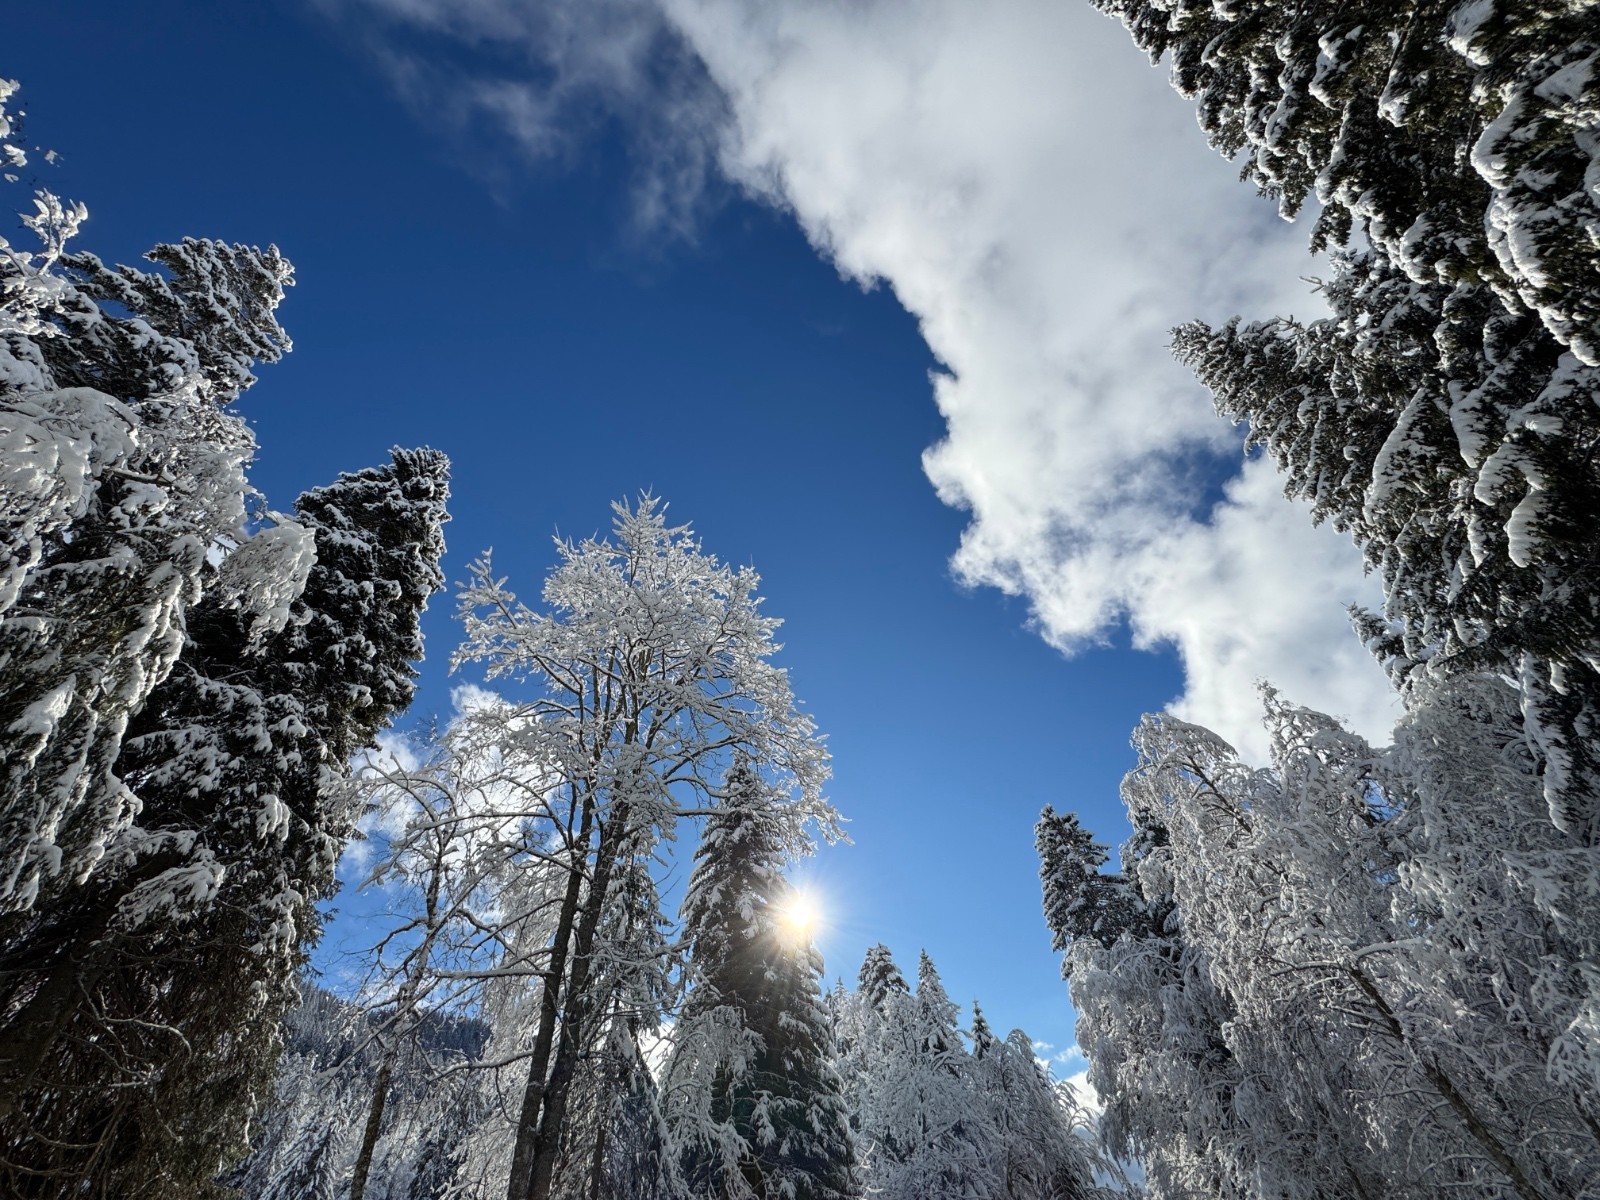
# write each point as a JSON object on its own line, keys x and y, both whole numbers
{"x": 1358, "y": 971}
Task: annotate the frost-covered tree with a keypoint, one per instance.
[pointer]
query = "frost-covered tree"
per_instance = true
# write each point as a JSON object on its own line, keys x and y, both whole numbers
{"x": 753, "y": 1096}
{"x": 1363, "y": 987}
{"x": 457, "y": 826}
{"x": 143, "y": 1004}
{"x": 1151, "y": 1024}
{"x": 913, "y": 1110}
{"x": 184, "y": 675}
{"x": 1513, "y": 908}
{"x": 312, "y": 1162}
{"x": 123, "y": 469}
{"x": 880, "y": 977}
{"x": 1442, "y": 414}
{"x": 932, "y": 1118}
{"x": 650, "y": 672}
{"x": 307, "y": 1136}
{"x": 1030, "y": 1123}
{"x": 470, "y": 859}
{"x": 614, "y": 1142}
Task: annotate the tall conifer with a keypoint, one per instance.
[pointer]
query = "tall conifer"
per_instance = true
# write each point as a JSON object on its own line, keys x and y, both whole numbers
{"x": 759, "y": 1103}
{"x": 145, "y": 1003}
{"x": 1443, "y": 414}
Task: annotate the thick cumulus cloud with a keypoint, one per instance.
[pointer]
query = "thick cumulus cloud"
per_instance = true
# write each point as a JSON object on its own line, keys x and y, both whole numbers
{"x": 1039, "y": 198}
{"x": 1043, "y": 202}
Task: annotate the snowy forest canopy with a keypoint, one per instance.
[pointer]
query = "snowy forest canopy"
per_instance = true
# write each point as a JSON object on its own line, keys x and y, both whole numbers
{"x": 1357, "y": 971}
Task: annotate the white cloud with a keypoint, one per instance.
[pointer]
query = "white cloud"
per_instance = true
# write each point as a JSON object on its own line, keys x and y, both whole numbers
{"x": 1039, "y": 198}
{"x": 404, "y": 752}
{"x": 1044, "y": 204}
{"x": 1076, "y": 1077}
{"x": 396, "y": 748}
{"x": 1084, "y": 1092}
{"x": 550, "y": 74}
{"x": 470, "y": 697}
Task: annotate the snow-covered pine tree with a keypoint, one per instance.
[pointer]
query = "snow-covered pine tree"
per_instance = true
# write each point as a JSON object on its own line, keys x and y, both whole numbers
{"x": 910, "y": 1094}
{"x": 754, "y": 1099}
{"x": 441, "y": 1130}
{"x": 932, "y": 1119}
{"x": 1150, "y": 1022}
{"x": 652, "y": 673}
{"x": 938, "y": 1039}
{"x": 982, "y": 1034}
{"x": 123, "y": 466}
{"x": 187, "y": 940}
{"x": 802, "y": 1123}
{"x": 313, "y": 1163}
{"x": 880, "y": 977}
{"x": 1459, "y": 136}
{"x": 1442, "y": 415}
{"x": 1081, "y": 900}
{"x": 1030, "y": 1123}
{"x": 180, "y": 694}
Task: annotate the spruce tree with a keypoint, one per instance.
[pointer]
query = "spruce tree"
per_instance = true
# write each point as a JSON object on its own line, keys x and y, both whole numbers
{"x": 1081, "y": 901}
{"x": 757, "y": 1103}
{"x": 983, "y": 1038}
{"x": 931, "y": 1119}
{"x": 937, "y": 1037}
{"x": 123, "y": 467}
{"x": 183, "y": 677}
{"x": 879, "y": 977}
{"x": 1442, "y": 415}
{"x": 188, "y": 941}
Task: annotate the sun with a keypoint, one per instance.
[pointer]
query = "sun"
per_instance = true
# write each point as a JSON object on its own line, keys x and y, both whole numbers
{"x": 799, "y": 916}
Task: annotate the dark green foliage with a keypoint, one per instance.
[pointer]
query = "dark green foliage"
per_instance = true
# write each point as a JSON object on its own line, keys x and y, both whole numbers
{"x": 1080, "y": 901}
{"x": 145, "y": 1005}
{"x": 880, "y": 977}
{"x": 212, "y": 309}
{"x": 123, "y": 469}
{"x": 770, "y": 1120}
{"x": 1443, "y": 414}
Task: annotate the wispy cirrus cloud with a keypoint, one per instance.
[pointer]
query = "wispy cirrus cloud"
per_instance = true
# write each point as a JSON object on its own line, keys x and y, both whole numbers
{"x": 547, "y": 78}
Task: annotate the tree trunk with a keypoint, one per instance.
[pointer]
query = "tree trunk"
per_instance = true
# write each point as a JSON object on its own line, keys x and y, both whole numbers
{"x": 520, "y": 1184}
{"x": 580, "y": 1005}
{"x": 597, "y": 1168}
{"x": 369, "y": 1137}
{"x": 1475, "y": 1126}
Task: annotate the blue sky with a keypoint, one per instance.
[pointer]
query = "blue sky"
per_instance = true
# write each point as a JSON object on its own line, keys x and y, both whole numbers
{"x": 620, "y": 247}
